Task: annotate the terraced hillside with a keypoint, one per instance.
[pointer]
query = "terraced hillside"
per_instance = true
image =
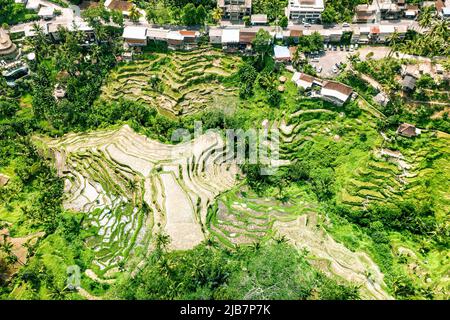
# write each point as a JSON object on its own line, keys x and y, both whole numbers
{"x": 369, "y": 172}
{"x": 390, "y": 175}
{"x": 131, "y": 188}
{"x": 241, "y": 217}
{"x": 178, "y": 83}
{"x": 313, "y": 122}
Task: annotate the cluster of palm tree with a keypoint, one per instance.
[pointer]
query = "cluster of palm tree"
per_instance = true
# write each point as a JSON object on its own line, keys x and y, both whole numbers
{"x": 6, "y": 247}
{"x": 134, "y": 15}
{"x": 217, "y": 14}
{"x": 433, "y": 42}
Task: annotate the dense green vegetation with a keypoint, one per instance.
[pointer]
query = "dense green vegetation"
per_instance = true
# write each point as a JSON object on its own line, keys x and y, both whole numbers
{"x": 430, "y": 44}
{"x": 273, "y": 8}
{"x": 78, "y": 69}
{"x": 254, "y": 272}
{"x": 337, "y": 11}
{"x": 336, "y": 177}
{"x": 190, "y": 13}
{"x": 13, "y": 13}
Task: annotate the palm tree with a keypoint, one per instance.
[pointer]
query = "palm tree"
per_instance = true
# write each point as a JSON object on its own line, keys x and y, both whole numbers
{"x": 446, "y": 65}
{"x": 162, "y": 241}
{"x": 297, "y": 57}
{"x": 440, "y": 28}
{"x": 134, "y": 14}
{"x": 281, "y": 239}
{"x": 217, "y": 14}
{"x": 426, "y": 17}
{"x": 57, "y": 293}
{"x": 393, "y": 41}
{"x": 95, "y": 53}
{"x": 150, "y": 13}
{"x": 100, "y": 33}
{"x": 256, "y": 246}
{"x": 11, "y": 259}
{"x": 39, "y": 41}
{"x": 7, "y": 247}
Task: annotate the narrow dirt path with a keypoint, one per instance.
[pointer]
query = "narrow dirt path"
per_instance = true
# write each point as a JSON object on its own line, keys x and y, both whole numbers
{"x": 87, "y": 295}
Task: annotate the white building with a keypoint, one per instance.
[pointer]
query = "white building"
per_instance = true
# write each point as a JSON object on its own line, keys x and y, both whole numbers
{"x": 364, "y": 34}
{"x": 79, "y": 24}
{"x": 446, "y": 12}
{"x": 305, "y": 10}
{"x": 157, "y": 34}
{"x": 304, "y": 81}
{"x": 215, "y": 36}
{"x": 135, "y": 36}
{"x": 46, "y": 13}
{"x": 336, "y": 92}
{"x": 230, "y": 36}
{"x": 33, "y": 5}
{"x": 31, "y": 32}
{"x": 282, "y": 53}
{"x": 230, "y": 39}
{"x": 259, "y": 19}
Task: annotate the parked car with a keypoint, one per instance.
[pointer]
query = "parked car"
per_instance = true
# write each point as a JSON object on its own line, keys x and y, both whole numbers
{"x": 356, "y": 46}
{"x": 351, "y": 48}
{"x": 345, "y": 25}
{"x": 325, "y": 47}
{"x": 319, "y": 69}
{"x": 335, "y": 70}
{"x": 307, "y": 25}
{"x": 341, "y": 47}
{"x": 334, "y": 48}
{"x": 347, "y": 48}
{"x": 330, "y": 47}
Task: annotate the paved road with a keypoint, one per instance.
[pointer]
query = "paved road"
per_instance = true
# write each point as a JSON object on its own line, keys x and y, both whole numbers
{"x": 412, "y": 24}
{"x": 67, "y": 15}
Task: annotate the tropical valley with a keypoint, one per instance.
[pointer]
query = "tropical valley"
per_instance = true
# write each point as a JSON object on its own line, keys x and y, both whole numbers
{"x": 224, "y": 150}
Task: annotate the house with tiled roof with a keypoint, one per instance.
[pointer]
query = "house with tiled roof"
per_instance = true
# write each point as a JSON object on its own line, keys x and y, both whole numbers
{"x": 304, "y": 81}
{"x": 119, "y": 5}
{"x": 365, "y": 13}
{"x": 259, "y": 19}
{"x": 335, "y": 92}
{"x": 408, "y": 130}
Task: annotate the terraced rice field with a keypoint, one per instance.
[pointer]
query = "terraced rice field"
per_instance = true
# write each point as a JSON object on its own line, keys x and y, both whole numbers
{"x": 131, "y": 187}
{"x": 390, "y": 175}
{"x": 241, "y": 217}
{"x": 178, "y": 83}
{"x": 383, "y": 174}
